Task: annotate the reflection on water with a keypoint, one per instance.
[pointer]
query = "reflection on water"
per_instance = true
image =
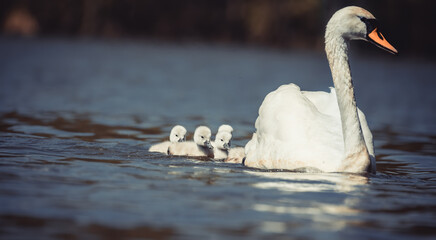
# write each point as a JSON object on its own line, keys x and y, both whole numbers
{"x": 66, "y": 229}
{"x": 320, "y": 212}
{"x": 74, "y": 162}
{"x": 307, "y": 182}
{"x": 76, "y": 185}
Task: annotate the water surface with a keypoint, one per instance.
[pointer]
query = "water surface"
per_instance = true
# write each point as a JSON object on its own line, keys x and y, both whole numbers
{"x": 77, "y": 118}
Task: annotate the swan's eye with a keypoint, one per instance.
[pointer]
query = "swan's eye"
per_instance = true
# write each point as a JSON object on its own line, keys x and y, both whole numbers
{"x": 222, "y": 140}
{"x": 202, "y": 137}
{"x": 177, "y": 135}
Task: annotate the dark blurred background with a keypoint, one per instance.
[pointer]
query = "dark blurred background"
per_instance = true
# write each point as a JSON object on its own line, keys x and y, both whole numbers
{"x": 409, "y": 24}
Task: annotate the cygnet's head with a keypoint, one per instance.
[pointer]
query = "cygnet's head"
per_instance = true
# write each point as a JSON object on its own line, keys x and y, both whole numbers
{"x": 202, "y": 136}
{"x": 223, "y": 140}
{"x": 356, "y": 23}
{"x": 177, "y": 134}
{"x": 225, "y": 128}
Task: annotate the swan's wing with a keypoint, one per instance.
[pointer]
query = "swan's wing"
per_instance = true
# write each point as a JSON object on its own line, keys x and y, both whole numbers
{"x": 367, "y": 136}
{"x": 293, "y": 133}
{"x": 327, "y": 103}
{"x": 251, "y": 145}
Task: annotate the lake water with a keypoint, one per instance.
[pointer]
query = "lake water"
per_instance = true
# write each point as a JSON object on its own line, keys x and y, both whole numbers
{"x": 77, "y": 118}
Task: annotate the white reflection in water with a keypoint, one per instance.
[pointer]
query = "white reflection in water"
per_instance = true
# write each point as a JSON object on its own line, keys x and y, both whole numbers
{"x": 316, "y": 209}
{"x": 323, "y": 214}
{"x": 308, "y": 182}
{"x": 273, "y": 227}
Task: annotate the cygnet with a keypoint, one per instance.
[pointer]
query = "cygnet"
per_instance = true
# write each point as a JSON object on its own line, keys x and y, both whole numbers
{"x": 222, "y": 145}
{"x": 177, "y": 134}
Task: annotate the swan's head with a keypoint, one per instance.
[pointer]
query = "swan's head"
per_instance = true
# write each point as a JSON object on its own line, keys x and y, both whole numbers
{"x": 223, "y": 140}
{"x": 202, "y": 136}
{"x": 177, "y": 134}
{"x": 356, "y": 23}
{"x": 225, "y": 128}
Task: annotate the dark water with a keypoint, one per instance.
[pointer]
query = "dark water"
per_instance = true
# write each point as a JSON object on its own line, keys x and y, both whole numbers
{"x": 77, "y": 118}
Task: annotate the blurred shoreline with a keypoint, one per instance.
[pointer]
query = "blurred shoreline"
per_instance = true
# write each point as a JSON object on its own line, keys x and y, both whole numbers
{"x": 294, "y": 24}
{"x": 360, "y": 49}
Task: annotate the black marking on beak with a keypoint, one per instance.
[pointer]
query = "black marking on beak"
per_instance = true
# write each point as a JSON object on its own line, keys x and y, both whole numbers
{"x": 371, "y": 24}
{"x": 226, "y": 146}
{"x": 374, "y": 36}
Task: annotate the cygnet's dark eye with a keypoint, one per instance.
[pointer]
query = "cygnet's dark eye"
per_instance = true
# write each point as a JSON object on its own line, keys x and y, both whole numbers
{"x": 221, "y": 140}
{"x": 202, "y": 137}
{"x": 177, "y": 135}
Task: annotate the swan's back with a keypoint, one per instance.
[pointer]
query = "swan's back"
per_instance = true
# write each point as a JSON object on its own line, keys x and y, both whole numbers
{"x": 294, "y": 124}
{"x": 312, "y": 136}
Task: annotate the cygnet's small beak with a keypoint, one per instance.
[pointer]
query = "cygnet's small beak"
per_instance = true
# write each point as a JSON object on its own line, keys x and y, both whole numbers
{"x": 379, "y": 40}
{"x": 181, "y": 139}
{"x": 208, "y": 144}
{"x": 226, "y": 146}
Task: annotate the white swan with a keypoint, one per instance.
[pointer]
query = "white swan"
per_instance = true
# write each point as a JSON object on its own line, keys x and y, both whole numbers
{"x": 221, "y": 145}
{"x": 200, "y": 147}
{"x": 177, "y": 134}
{"x": 326, "y": 131}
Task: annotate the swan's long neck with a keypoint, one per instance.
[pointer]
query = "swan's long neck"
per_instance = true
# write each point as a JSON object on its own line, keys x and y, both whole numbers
{"x": 355, "y": 148}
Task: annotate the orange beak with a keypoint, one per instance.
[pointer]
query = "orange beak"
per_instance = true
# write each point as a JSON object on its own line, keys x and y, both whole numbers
{"x": 380, "y": 41}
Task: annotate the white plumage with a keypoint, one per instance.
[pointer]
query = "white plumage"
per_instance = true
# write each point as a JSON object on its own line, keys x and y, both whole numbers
{"x": 177, "y": 134}
{"x": 300, "y": 129}
{"x": 221, "y": 145}
{"x": 225, "y": 128}
{"x": 236, "y": 155}
{"x": 200, "y": 147}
